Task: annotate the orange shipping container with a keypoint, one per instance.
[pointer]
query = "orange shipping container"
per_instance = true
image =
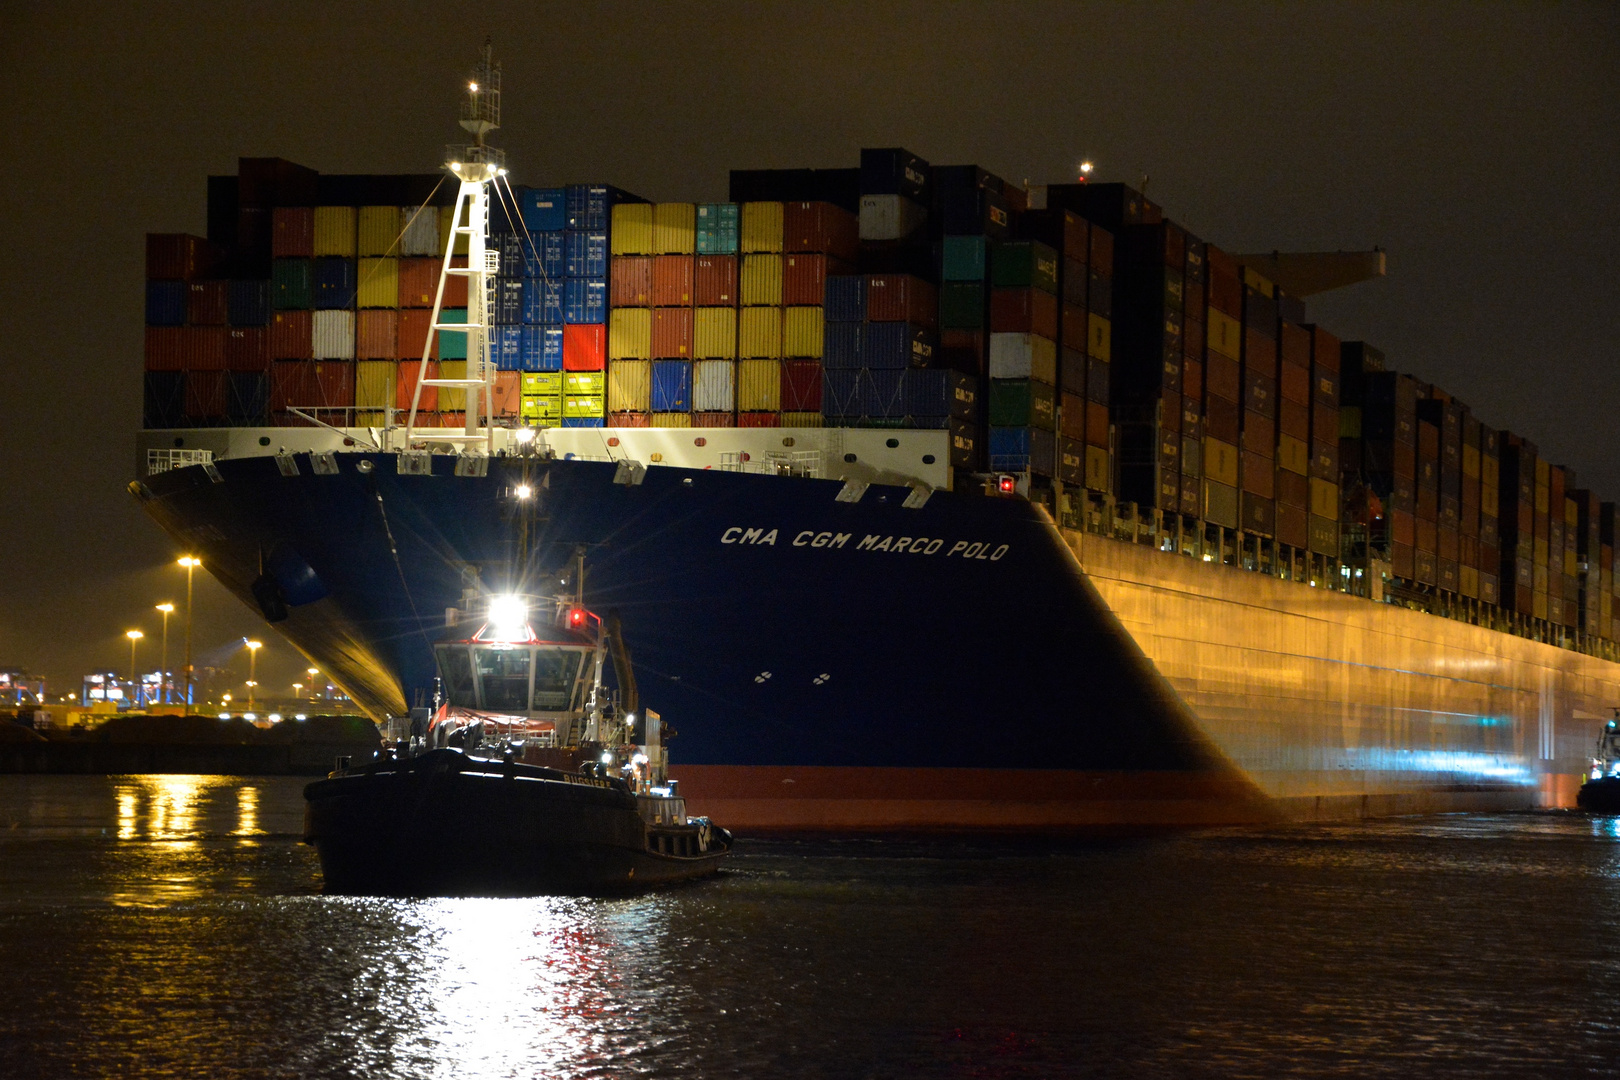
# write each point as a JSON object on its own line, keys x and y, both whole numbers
{"x": 672, "y": 332}
{"x": 292, "y": 335}
{"x": 409, "y": 372}
{"x": 377, "y": 335}
{"x": 672, "y": 281}
{"x": 714, "y": 281}
{"x": 414, "y": 325}
{"x": 630, "y": 281}
{"x": 419, "y": 280}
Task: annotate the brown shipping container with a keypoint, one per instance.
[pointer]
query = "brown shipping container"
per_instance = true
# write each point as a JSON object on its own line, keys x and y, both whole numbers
{"x": 1259, "y": 354}
{"x": 292, "y": 232}
{"x": 207, "y": 303}
{"x": 1293, "y": 526}
{"x": 672, "y": 333}
{"x": 1259, "y": 474}
{"x": 1192, "y": 379}
{"x": 1294, "y": 420}
{"x": 414, "y": 327}
{"x": 1222, "y": 377}
{"x": 185, "y": 348}
{"x": 801, "y": 386}
{"x": 1293, "y": 489}
{"x": 1074, "y": 326}
{"x": 1294, "y": 343}
{"x": 630, "y": 281}
{"x": 247, "y": 349}
{"x": 307, "y": 384}
{"x": 508, "y": 393}
{"x": 1221, "y": 419}
{"x": 292, "y": 335}
{"x": 714, "y": 281}
{"x": 1072, "y": 422}
{"x": 901, "y": 298}
{"x": 1294, "y": 383}
{"x": 377, "y": 335}
{"x": 713, "y": 419}
{"x": 804, "y": 278}
{"x": 820, "y": 227}
{"x": 179, "y": 257}
{"x": 1096, "y": 417}
{"x": 1024, "y": 311}
{"x": 418, "y": 278}
{"x": 1324, "y": 349}
{"x": 672, "y": 281}
{"x": 1101, "y": 258}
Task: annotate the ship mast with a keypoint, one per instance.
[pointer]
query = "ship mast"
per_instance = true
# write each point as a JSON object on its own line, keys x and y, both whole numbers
{"x": 476, "y": 165}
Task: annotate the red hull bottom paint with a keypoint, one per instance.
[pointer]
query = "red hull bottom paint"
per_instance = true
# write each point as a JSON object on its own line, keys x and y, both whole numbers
{"x": 854, "y": 799}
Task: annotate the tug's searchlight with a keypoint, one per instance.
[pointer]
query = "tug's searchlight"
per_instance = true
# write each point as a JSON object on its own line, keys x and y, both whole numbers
{"x": 509, "y": 618}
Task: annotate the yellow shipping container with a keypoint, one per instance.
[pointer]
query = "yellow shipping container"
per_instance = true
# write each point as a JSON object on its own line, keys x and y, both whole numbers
{"x": 629, "y": 385}
{"x": 379, "y": 230}
{"x": 1325, "y": 499}
{"x": 1099, "y": 337}
{"x": 1225, "y": 334}
{"x": 379, "y": 283}
{"x": 1293, "y": 455}
{"x": 759, "y": 333}
{"x": 671, "y": 419}
{"x": 374, "y": 384}
{"x": 632, "y": 229}
{"x": 1259, "y": 283}
{"x": 452, "y": 398}
{"x": 802, "y": 329}
{"x": 714, "y": 333}
{"x": 1099, "y": 474}
{"x": 674, "y": 228}
{"x": 759, "y": 385}
{"x": 1220, "y": 462}
{"x": 541, "y": 407}
{"x": 801, "y": 419}
{"x": 334, "y": 231}
{"x": 445, "y": 215}
{"x": 584, "y": 384}
{"x": 582, "y": 407}
{"x": 761, "y": 280}
{"x": 761, "y": 227}
{"x": 370, "y": 418}
{"x": 532, "y": 383}
{"x": 630, "y": 333}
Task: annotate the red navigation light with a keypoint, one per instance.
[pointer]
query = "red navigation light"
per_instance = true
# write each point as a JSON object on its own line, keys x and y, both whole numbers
{"x": 576, "y": 618}
{"x": 1007, "y": 485}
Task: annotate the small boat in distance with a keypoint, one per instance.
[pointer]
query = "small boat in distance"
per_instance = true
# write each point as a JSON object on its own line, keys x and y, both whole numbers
{"x": 531, "y": 779}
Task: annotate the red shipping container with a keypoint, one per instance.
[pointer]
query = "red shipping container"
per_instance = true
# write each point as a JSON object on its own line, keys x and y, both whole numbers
{"x": 1222, "y": 377}
{"x": 713, "y": 419}
{"x": 630, "y": 281}
{"x": 759, "y": 419}
{"x": 508, "y": 392}
{"x": 1192, "y": 379}
{"x": 672, "y": 281}
{"x": 671, "y": 335}
{"x": 901, "y": 298}
{"x": 414, "y": 326}
{"x": 164, "y": 351}
{"x": 417, "y": 280}
{"x": 207, "y": 303}
{"x": 1074, "y": 327}
{"x": 1226, "y": 293}
{"x": 456, "y": 419}
{"x": 1294, "y": 384}
{"x": 585, "y": 346}
{"x": 205, "y": 394}
{"x": 1026, "y": 311}
{"x": 1324, "y": 349}
{"x": 804, "y": 278}
{"x": 292, "y": 232}
{"x": 629, "y": 419}
{"x": 202, "y": 348}
{"x": 1294, "y": 420}
{"x": 247, "y": 349}
{"x": 377, "y": 335}
{"x": 1296, "y": 345}
{"x": 820, "y": 227}
{"x": 292, "y": 335}
{"x": 1101, "y": 260}
{"x": 405, "y": 386}
{"x": 179, "y": 257}
{"x": 962, "y": 350}
{"x": 1073, "y": 419}
{"x": 1096, "y": 417}
{"x": 714, "y": 281}
{"x": 801, "y": 386}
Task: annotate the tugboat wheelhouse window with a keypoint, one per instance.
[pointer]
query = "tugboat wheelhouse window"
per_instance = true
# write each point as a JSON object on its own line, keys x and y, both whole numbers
{"x": 504, "y": 674}
{"x": 458, "y": 677}
{"x": 555, "y": 673}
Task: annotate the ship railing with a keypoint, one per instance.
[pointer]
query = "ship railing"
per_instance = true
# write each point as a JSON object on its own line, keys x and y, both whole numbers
{"x": 162, "y": 460}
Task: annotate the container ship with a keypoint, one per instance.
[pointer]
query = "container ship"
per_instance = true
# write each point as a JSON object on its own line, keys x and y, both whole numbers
{"x": 926, "y": 500}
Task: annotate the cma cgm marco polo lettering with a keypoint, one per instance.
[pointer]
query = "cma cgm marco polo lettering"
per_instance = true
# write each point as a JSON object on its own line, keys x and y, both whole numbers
{"x": 925, "y": 501}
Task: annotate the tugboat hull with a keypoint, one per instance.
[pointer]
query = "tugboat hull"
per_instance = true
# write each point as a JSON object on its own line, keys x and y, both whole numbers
{"x": 1600, "y": 796}
{"x": 445, "y": 825}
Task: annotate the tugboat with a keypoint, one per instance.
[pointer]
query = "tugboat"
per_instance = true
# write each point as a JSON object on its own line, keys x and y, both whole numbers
{"x": 528, "y": 781}
{"x": 1600, "y": 794}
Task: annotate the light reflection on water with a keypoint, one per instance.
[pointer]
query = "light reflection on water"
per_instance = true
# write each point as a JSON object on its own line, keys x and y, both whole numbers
{"x": 173, "y": 927}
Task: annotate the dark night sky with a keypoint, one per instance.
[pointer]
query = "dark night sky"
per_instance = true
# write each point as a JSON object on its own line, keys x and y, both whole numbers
{"x": 1478, "y": 143}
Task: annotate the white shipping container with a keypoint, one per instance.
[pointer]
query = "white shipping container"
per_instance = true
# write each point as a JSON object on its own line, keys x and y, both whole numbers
{"x": 890, "y": 217}
{"x": 421, "y": 235}
{"x": 714, "y": 386}
{"x": 332, "y": 335}
{"x": 1023, "y": 356}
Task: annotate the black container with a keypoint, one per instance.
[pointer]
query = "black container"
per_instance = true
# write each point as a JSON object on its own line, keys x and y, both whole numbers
{"x": 164, "y": 400}
{"x": 894, "y": 171}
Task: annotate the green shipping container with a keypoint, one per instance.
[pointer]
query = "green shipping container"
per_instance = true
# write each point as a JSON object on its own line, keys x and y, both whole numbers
{"x": 453, "y": 343}
{"x": 292, "y": 284}
{"x": 961, "y": 305}
{"x": 1022, "y": 403}
{"x": 717, "y": 228}
{"x": 964, "y": 258}
{"x": 1025, "y": 264}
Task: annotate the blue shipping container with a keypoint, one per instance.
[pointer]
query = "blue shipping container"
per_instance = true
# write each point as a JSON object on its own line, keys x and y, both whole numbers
{"x": 846, "y": 299}
{"x": 584, "y": 421}
{"x": 1017, "y": 449}
{"x": 544, "y": 209}
{"x": 585, "y": 300}
{"x": 541, "y": 348}
{"x": 248, "y": 303}
{"x": 672, "y": 386}
{"x": 882, "y": 393}
{"x": 929, "y": 393}
{"x": 507, "y": 347}
{"x": 508, "y": 302}
{"x": 335, "y": 283}
{"x": 840, "y": 392}
{"x": 590, "y": 205}
{"x": 513, "y": 247}
{"x": 842, "y": 345}
{"x": 247, "y": 397}
{"x": 543, "y": 301}
{"x": 548, "y": 249}
{"x": 585, "y": 254}
{"x": 896, "y": 345}
{"x": 166, "y": 303}
{"x": 164, "y": 400}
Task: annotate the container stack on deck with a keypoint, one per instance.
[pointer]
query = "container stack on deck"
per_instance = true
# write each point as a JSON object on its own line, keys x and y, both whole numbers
{"x": 1070, "y": 333}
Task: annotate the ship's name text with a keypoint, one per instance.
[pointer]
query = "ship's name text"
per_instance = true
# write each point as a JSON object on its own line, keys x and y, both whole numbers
{"x": 911, "y": 545}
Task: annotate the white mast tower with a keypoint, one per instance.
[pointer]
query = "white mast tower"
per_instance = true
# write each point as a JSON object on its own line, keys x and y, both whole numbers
{"x": 476, "y": 166}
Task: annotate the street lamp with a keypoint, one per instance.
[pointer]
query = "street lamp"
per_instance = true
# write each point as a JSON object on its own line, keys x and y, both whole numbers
{"x": 314, "y": 693}
{"x": 298, "y": 689}
{"x": 190, "y": 562}
{"x": 134, "y": 636}
{"x": 163, "y": 671}
{"x": 253, "y": 648}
